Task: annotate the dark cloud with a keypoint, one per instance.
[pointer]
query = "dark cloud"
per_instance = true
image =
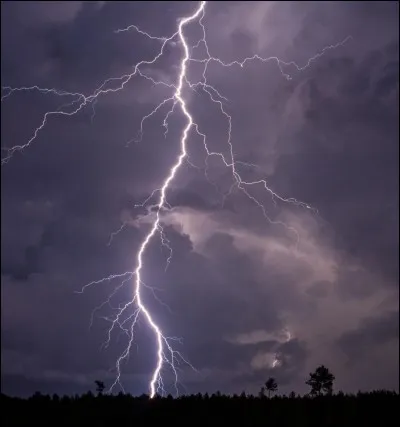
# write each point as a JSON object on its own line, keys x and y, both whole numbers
{"x": 242, "y": 292}
{"x": 372, "y": 332}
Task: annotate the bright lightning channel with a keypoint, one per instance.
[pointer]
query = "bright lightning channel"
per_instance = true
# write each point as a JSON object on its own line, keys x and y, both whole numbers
{"x": 78, "y": 101}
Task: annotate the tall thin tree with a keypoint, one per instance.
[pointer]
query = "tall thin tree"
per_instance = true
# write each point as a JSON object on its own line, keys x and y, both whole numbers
{"x": 271, "y": 386}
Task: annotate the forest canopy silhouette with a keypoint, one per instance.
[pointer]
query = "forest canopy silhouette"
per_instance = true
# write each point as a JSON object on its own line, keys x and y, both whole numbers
{"x": 321, "y": 406}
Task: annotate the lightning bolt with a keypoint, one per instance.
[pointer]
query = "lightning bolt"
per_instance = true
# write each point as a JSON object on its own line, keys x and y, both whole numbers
{"x": 130, "y": 312}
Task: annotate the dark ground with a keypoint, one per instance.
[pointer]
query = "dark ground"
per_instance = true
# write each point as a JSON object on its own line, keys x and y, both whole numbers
{"x": 378, "y": 409}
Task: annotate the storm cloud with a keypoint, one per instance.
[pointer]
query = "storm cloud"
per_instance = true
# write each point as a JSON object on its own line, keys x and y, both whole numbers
{"x": 249, "y": 298}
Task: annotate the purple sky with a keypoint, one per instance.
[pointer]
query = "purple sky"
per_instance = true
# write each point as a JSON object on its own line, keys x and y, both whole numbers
{"x": 240, "y": 292}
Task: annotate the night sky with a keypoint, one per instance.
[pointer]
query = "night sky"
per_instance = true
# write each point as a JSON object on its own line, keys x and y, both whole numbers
{"x": 247, "y": 299}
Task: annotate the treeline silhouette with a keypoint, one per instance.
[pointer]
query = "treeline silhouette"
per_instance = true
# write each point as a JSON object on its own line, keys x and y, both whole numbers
{"x": 321, "y": 407}
{"x": 377, "y": 408}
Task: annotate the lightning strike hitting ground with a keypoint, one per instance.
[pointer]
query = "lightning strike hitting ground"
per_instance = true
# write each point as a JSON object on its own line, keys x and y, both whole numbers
{"x": 128, "y": 314}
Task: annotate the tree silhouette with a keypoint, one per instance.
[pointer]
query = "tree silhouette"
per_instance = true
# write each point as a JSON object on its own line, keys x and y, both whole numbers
{"x": 99, "y": 387}
{"x": 271, "y": 386}
{"x": 374, "y": 409}
{"x": 321, "y": 381}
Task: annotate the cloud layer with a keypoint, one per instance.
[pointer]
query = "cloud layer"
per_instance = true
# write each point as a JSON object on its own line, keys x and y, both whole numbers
{"x": 249, "y": 299}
